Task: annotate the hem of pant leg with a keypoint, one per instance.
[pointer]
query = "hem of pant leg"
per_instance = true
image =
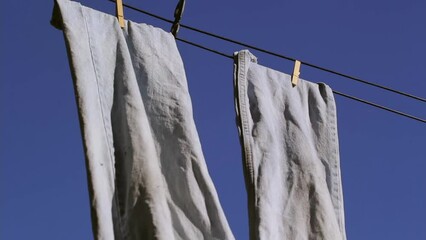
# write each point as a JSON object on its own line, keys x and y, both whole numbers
{"x": 337, "y": 181}
{"x": 242, "y": 124}
{"x": 115, "y": 200}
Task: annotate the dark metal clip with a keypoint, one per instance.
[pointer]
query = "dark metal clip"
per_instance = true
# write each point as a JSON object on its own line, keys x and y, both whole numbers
{"x": 178, "y": 15}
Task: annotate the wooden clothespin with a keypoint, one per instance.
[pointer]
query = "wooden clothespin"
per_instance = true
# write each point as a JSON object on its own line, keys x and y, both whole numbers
{"x": 120, "y": 12}
{"x": 296, "y": 73}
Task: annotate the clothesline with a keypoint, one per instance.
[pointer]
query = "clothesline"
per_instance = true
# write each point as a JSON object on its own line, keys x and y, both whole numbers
{"x": 292, "y": 59}
{"x": 276, "y": 54}
{"x": 334, "y": 91}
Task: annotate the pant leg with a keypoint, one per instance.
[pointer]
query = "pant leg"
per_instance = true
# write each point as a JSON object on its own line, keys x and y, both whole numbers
{"x": 291, "y": 156}
{"x": 146, "y": 171}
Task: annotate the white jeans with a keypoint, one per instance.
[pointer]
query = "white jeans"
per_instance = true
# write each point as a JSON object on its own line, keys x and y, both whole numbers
{"x": 146, "y": 171}
{"x": 147, "y": 174}
{"x": 291, "y": 154}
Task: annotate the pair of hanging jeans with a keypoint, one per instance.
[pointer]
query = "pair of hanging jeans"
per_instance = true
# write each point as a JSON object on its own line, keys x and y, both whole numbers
{"x": 146, "y": 171}
{"x": 290, "y": 154}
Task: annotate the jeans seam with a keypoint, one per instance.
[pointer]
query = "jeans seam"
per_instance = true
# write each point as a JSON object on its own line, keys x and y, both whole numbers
{"x": 336, "y": 176}
{"x": 244, "y": 116}
{"x": 92, "y": 56}
{"x": 241, "y": 97}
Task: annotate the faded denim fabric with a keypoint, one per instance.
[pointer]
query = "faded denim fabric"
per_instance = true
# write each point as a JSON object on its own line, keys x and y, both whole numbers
{"x": 290, "y": 154}
{"x": 146, "y": 171}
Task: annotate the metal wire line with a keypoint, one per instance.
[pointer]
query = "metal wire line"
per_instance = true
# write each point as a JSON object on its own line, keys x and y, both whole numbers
{"x": 305, "y": 63}
{"x": 204, "y": 48}
{"x": 277, "y": 55}
{"x": 335, "y": 92}
{"x": 231, "y": 57}
{"x": 380, "y": 106}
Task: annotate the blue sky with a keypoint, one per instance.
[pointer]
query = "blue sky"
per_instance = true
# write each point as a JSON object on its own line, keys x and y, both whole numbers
{"x": 383, "y": 156}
